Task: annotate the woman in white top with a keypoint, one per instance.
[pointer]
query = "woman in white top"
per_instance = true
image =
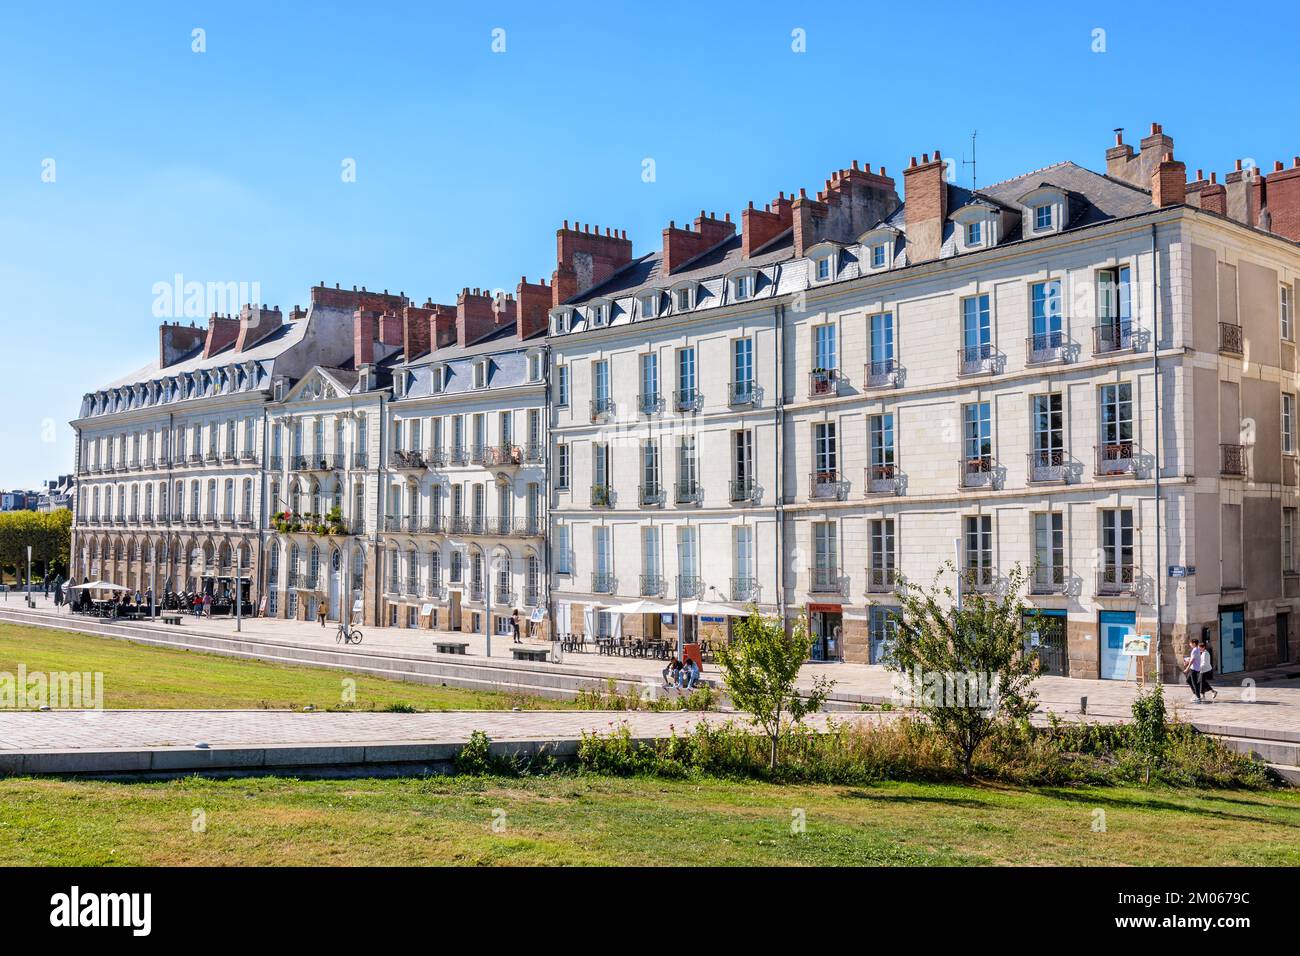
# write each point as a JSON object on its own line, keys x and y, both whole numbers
{"x": 1207, "y": 671}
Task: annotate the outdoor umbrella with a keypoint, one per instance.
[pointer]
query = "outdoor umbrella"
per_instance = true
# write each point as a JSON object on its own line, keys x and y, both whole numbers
{"x": 98, "y": 586}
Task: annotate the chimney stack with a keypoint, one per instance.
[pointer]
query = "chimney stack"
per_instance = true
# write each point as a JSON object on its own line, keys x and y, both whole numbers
{"x": 683, "y": 245}
{"x": 223, "y": 330}
{"x": 585, "y": 258}
{"x": 475, "y": 316}
{"x": 176, "y": 341}
{"x": 925, "y": 207}
{"x": 534, "y": 306}
{"x": 255, "y": 323}
{"x": 854, "y": 200}
{"x": 1169, "y": 182}
{"x": 1137, "y": 170}
{"x": 758, "y": 227}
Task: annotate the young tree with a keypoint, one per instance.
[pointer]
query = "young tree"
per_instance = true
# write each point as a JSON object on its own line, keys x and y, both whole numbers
{"x": 966, "y": 669}
{"x": 760, "y": 666}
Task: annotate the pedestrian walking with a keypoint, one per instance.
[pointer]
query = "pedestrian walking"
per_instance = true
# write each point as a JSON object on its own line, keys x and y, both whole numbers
{"x": 1207, "y": 671}
{"x": 514, "y": 625}
{"x": 321, "y": 612}
{"x": 1192, "y": 668}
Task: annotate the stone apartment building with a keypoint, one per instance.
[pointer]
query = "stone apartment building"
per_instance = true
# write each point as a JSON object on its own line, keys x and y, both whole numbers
{"x": 1089, "y": 375}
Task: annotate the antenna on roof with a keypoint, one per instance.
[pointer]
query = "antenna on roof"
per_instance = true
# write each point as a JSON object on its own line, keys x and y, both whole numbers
{"x": 971, "y": 162}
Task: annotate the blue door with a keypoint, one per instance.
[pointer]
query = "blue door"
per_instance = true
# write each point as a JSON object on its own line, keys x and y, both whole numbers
{"x": 1232, "y": 642}
{"x": 1115, "y": 627}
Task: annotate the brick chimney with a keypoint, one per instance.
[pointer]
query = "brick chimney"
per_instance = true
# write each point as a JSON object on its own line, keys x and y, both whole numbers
{"x": 417, "y": 330}
{"x": 758, "y": 227}
{"x": 683, "y": 245}
{"x": 177, "y": 341}
{"x": 475, "y": 316}
{"x": 223, "y": 330}
{"x": 1239, "y": 194}
{"x": 1137, "y": 170}
{"x": 255, "y": 324}
{"x": 854, "y": 200}
{"x": 1280, "y": 200}
{"x": 584, "y": 258}
{"x": 337, "y": 298}
{"x": 1213, "y": 197}
{"x": 925, "y": 207}
{"x": 1169, "y": 182}
{"x": 534, "y": 300}
{"x": 365, "y": 332}
{"x": 442, "y": 325}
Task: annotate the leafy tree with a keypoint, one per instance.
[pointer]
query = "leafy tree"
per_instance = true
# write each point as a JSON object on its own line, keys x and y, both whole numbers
{"x": 760, "y": 666}
{"x": 965, "y": 669}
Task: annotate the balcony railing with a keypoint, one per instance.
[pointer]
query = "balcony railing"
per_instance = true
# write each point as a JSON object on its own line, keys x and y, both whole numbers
{"x": 823, "y": 383}
{"x": 1113, "y": 337}
{"x": 505, "y": 453}
{"x": 649, "y": 404}
{"x": 881, "y": 480}
{"x": 532, "y": 597}
{"x": 601, "y": 409}
{"x": 687, "y": 399}
{"x": 977, "y": 360}
{"x": 602, "y": 496}
{"x": 318, "y": 462}
{"x": 743, "y": 489}
{"x": 689, "y": 585}
{"x": 742, "y": 393}
{"x": 481, "y": 454}
{"x": 460, "y": 524}
{"x": 534, "y": 452}
{"x": 651, "y": 494}
{"x": 688, "y": 492}
{"x": 826, "y": 581}
{"x": 1117, "y": 579}
{"x": 882, "y": 579}
{"x": 1049, "y": 579}
{"x": 744, "y": 589}
{"x": 460, "y": 456}
{"x": 976, "y": 472}
{"x": 360, "y": 460}
{"x": 475, "y": 592}
{"x": 979, "y": 580}
{"x": 435, "y": 524}
{"x": 1043, "y": 348}
{"x": 1230, "y": 338}
{"x": 602, "y": 582}
{"x": 652, "y": 585}
{"x": 881, "y": 374}
{"x": 827, "y": 483}
{"x": 407, "y": 460}
{"x": 274, "y": 463}
{"x": 438, "y": 458}
{"x": 1232, "y": 460}
{"x": 503, "y": 596}
{"x": 1048, "y": 465}
{"x": 1116, "y": 458}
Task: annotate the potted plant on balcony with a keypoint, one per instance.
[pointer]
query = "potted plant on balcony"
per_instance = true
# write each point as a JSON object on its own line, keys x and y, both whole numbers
{"x": 334, "y": 522}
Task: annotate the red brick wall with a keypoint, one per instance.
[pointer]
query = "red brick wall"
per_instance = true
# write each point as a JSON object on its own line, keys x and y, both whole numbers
{"x": 584, "y": 258}
{"x": 758, "y": 227}
{"x": 222, "y": 331}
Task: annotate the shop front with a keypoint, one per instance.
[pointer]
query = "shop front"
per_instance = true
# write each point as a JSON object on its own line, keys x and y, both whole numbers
{"x": 826, "y": 627}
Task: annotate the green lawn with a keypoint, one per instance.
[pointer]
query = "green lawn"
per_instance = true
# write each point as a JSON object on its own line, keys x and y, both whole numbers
{"x": 137, "y": 676}
{"x": 577, "y": 820}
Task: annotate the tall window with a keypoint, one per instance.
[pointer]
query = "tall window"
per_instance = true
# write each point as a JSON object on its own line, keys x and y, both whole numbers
{"x": 1114, "y": 308}
{"x": 649, "y": 382}
{"x": 882, "y": 567}
{"x": 1285, "y": 306}
{"x": 1288, "y": 540}
{"x": 688, "y": 561}
{"x": 881, "y": 428}
{"x": 976, "y": 330}
{"x": 562, "y": 385}
{"x": 742, "y": 368}
{"x": 1046, "y": 309}
{"x": 742, "y": 547}
{"x": 977, "y": 434}
{"x": 650, "y": 573}
{"x": 649, "y": 472}
{"x": 743, "y": 458}
{"x": 1117, "y": 545}
{"x": 685, "y": 376}
{"x": 600, "y": 386}
{"x": 1117, "y": 415}
{"x": 882, "y": 343}
{"x": 563, "y": 550}
{"x": 687, "y": 465}
{"x": 1288, "y": 423}
{"x": 600, "y": 469}
{"x": 562, "y": 467}
{"x": 601, "y": 554}
{"x": 826, "y": 564}
{"x": 825, "y": 450}
{"x": 979, "y": 550}
{"x": 825, "y": 355}
{"x": 1049, "y": 551}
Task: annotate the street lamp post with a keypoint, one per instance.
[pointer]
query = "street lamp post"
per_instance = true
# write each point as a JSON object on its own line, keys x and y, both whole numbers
{"x": 239, "y": 589}
{"x": 29, "y": 576}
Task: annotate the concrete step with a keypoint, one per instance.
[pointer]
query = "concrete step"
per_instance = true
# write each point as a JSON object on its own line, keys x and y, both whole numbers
{"x": 1281, "y": 752}
{"x": 1290, "y": 774}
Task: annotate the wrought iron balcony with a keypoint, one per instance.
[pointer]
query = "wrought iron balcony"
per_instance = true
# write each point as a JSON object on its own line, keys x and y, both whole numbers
{"x": 1118, "y": 579}
{"x": 744, "y": 589}
{"x": 687, "y": 399}
{"x": 650, "y": 494}
{"x": 506, "y": 453}
{"x": 826, "y": 581}
{"x": 1230, "y": 338}
{"x": 360, "y": 460}
{"x": 436, "y": 524}
{"x": 532, "y": 597}
{"x": 976, "y": 472}
{"x": 460, "y": 456}
{"x": 1113, "y": 337}
{"x": 652, "y": 585}
{"x": 1043, "y": 348}
{"x": 602, "y": 496}
{"x": 979, "y": 580}
{"x": 404, "y": 460}
{"x": 1116, "y": 458}
{"x": 823, "y": 383}
{"x": 881, "y": 374}
{"x": 1232, "y": 460}
{"x": 743, "y": 489}
{"x": 882, "y": 579}
{"x": 438, "y": 458}
{"x": 274, "y": 463}
{"x": 602, "y": 409}
{"x": 481, "y": 455}
{"x": 650, "y": 404}
{"x": 827, "y": 483}
{"x": 689, "y": 585}
{"x": 688, "y": 492}
{"x": 882, "y": 480}
{"x": 742, "y": 393}
{"x": 602, "y": 582}
{"x": 1049, "y": 579}
{"x": 504, "y": 597}
{"x": 978, "y": 360}
{"x": 1048, "y": 465}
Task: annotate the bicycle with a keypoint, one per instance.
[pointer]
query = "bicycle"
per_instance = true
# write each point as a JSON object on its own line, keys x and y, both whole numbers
{"x": 346, "y": 635}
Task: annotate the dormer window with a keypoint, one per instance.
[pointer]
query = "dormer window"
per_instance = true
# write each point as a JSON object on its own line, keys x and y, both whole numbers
{"x": 974, "y": 233}
{"x": 598, "y": 314}
{"x": 436, "y": 383}
{"x": 879, "y": 255}
{"x": 1044, "y": 209}
{"x": 1042, "y": 217}
{"x": 822, "y": 268}
{"x": 561, "y": 321}
{"x": 684, "y": 298}
{"x": 480, "y": 374}
{"x": 649, "y": 304}
{"x": 825, "y": 261}
{"x": 742, "y": 287}
{"x": 535, "y": 367}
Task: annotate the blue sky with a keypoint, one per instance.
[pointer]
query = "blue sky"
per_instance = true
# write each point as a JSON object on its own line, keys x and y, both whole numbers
{"x": 225, "y": 166}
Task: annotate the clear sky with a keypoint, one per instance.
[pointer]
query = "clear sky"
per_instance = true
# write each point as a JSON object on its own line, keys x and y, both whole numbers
{"x": 228, "y": 165}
